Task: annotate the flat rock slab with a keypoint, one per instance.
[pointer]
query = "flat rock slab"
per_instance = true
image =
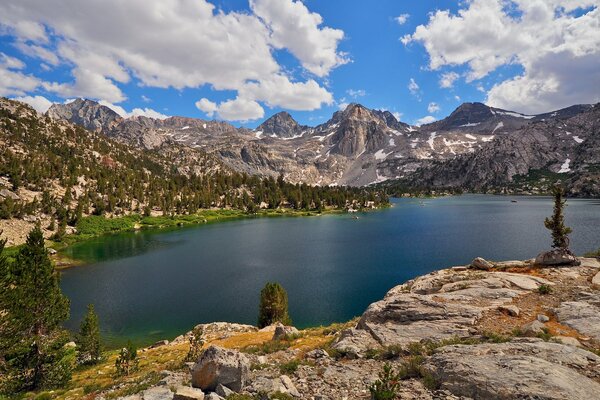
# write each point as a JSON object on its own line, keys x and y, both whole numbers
{"x": 582, "y": 315}
{"x": 533, "y": 369}
{"x": 436, "y": 306}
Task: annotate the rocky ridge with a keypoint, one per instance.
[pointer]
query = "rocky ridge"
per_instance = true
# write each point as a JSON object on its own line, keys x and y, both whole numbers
{"x": 484, "y": 330}
{"x": 476, "y": 147}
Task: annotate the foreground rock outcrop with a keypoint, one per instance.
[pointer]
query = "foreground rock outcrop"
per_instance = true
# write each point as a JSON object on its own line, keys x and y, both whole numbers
{"x": 517, "y": 369}
{"x": 491, "y": 330}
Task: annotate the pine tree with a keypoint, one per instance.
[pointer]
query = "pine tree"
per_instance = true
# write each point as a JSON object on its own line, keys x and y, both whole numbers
{"x": 556, "y": 223}
{"x": 31, "y": 339}
{"x": 89, "y": 337}
{"x": 273, "y": 305}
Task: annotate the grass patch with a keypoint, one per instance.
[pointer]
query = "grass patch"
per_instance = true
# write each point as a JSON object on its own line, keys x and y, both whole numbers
{"x": 289, "y": 367}
{"x": 544, "y": 289}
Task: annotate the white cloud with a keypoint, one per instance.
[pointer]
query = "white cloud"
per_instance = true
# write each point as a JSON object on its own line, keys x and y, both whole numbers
{"x": 556, "y": 48}
{"x": 207, "y": 106}
{"x": 136, "y": 112}
{"x": 433, "y": 108}
{"x": 13, "y": 82}
{"x": 343, "y": 105}
{"x": 356, "y": 93}
{"x": 397, "y": 115}
{"x": 402, "y": 18}
{"x": 457, "y": 98}
{"x": 425, "y": 120}
{"x": 39, "y": 103}
{"x": 413, "y": 88}
{"x": 238, "y": 109}
{"x": 447, "y": 79}
{"x": 292, "y": 26}
{"x": 146, "y": 99}
{"x": 179, "y": 44}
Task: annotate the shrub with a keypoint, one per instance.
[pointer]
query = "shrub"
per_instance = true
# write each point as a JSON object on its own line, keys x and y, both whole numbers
{"x": 544, "y": 289}
{"x": 386, "y": 387}
{"x": 196, "y": 343}
{"x": 290, "y": 367}
{"x": 127, "y": 360}
{"x": 273, "y": 305}
{"x": 556, "y": 223}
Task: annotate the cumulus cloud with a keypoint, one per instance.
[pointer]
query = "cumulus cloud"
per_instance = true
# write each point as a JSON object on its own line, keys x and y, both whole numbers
{"x": 447, "y": 79}
{"x": 292, "y": 26}
{"x": 206, "y": 106}
{"x": 433, "y": 107}
{"x": 238, "y": 109}
{"x": 178, "y": 44}
{"x": 136, "y": 112}
{"x": 39, "y": 103}
{"x": 13, "y": 82}
{"x": 425, "y": 120}
{"x": 402, "y": 18}
{"x": 556, "y": 47}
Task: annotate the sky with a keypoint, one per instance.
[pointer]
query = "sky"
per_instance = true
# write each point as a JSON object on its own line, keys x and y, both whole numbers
{"x": 243, "y": 60}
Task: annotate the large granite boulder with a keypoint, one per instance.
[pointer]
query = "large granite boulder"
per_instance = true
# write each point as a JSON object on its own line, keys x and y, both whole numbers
{"x": 557, "y": 257}
{"x": 481, "y": 263}
{"x": 283, "y": 332}
{"x": 220, "y": 366}
{"x": 526, "y": 369}
{"x": 582, "y": 315}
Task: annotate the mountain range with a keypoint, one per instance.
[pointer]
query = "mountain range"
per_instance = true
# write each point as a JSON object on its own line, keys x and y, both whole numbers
{"x": 477, "y": 147}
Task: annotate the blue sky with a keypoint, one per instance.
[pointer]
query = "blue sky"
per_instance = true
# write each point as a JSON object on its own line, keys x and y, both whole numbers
{"x": 250, "y": 59}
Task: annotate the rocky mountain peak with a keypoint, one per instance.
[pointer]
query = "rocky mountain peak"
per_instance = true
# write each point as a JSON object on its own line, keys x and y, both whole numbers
{"x": 87, "y": 113}
{"x": 281, "y": 125}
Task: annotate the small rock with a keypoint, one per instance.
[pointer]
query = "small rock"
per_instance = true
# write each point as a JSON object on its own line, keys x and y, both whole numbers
{"x": 543, "y": 318}
{"x": 188, "y": 393}
{"x": 459, "y": 268}
{"x": 159, "y": 344}
{"x": 289, "y": 386}
{"x": 568, "y": 340}
{"x": 533, "y": 328}
{"x": 481, "y": 263}
{"x": 8, "y": 194}
{"x": 317, "y": 353}
{"x": 213, "y": 396}
{"x": 157, "y": 393}
{"x": 51, "y": 251}
{"x": 596, "y": 279}
{"x": 510, "y": 309}
{"x": 70, "y": 345}
{"x": 282, "y": 331}
{"x": 220, "y": 366}
{"x": 223, "y": 391}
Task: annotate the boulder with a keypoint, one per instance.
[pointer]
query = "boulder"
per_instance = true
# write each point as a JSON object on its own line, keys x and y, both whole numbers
{"x": 159, "y": 344}
{"x": 557, "y": 257}
{"x": 510, "y": 309}
{"x": 533, "y": 328}
{"x": 223, "y": 391}
{"x": 220, "y": 366}
{"x": 355, "y": 343}
{"x": 7, "y": 194}
{"x": 282, "y": 332}
{"x": 283, "y": 384}
{"x": 188, "y": 393}
{"x": 157, "y": 393}
{"x": 596, "y": 279}
{"x": 543, "y": 318}
{"x": 531, "y": 370}
{"x": 481, "y": 263}
{"x": 317, "y": 354}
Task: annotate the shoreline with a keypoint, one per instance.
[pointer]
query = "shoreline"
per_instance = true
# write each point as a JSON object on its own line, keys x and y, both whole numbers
{"x": 136, "y": 222}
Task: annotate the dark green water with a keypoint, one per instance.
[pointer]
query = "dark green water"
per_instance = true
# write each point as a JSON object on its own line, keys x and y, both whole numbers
{"x": 153, "y": 285}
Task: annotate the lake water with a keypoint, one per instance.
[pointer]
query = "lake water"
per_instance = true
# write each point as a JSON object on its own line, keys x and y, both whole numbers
{"x": 157, "y": 284}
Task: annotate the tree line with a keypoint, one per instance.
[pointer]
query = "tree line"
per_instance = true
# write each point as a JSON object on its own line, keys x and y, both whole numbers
{"x": 76, "y": 173}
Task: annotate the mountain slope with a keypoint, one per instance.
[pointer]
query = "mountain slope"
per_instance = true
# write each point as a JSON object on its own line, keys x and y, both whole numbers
{"x": 359, "y": 146}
